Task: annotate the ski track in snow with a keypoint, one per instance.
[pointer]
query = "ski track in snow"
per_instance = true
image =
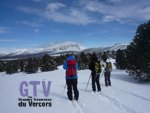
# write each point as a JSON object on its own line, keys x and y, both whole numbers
{"x": 77, "y": 107}
{"x": 118, "y": 104}
{"x": 132, "y": 94}
{"x": 115, "y": 103}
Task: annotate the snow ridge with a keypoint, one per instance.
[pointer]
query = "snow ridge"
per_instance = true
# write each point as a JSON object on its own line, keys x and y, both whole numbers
{"x": 57, "y": 47}
{"x": 115, "y": 47}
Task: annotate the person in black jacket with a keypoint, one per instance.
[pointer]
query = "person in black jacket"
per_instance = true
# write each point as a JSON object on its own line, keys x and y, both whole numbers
{"x": 95, "y": 68}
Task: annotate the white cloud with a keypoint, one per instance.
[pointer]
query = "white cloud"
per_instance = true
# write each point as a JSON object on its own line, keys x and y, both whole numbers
{"x": 55, "y": 6}
{"x": 87, "y": 11}
{"x": 120, "y": 10}
{"x": 4, "y": 30}
{"x": 57, "y": 30}
{"x": 115, "y": 1}
{"x": 8, "y": 40}
{"x": 37, "y": 0}
{"x": 73, "y": 16}
{"x": 59, "y": 12}
{"x": 108, "y": 18}
{"x": 30, "y": 10}
{"x": 30, "y": 23}
{"x": 36, "y": 30}
{"x": 145, "y": 13}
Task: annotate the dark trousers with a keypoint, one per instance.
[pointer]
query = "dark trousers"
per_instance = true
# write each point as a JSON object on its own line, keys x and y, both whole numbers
{"x": 95, "y": 81}
{"x": 107, "y": 79}
{"x": 72, "y": 86}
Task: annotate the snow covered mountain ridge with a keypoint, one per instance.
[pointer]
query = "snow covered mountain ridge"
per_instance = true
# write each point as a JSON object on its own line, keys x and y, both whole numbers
{"x": 58, "y": 48}
{"x": 115, "y": 47}
{"x": 53, "y": 48}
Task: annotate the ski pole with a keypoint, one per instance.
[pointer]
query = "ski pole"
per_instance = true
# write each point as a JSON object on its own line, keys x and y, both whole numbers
{"x": 64, "y": 88}
{"x": 87, "y": 83}
{"x": 102, "y": 74}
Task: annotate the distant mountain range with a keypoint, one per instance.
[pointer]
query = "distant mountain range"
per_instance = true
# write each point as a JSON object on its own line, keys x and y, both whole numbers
{"x": 55, "y": 49}
{"x": 115, "y": 47}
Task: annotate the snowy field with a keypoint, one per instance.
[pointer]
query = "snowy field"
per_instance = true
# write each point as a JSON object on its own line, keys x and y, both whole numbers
{"x": 125, "y": 95}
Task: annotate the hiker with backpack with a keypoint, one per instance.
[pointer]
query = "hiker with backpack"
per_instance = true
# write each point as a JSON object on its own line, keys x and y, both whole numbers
{"x": 107, "y": 73}
{"x": 95, "y": 68}
{"x": 71, "y": 66}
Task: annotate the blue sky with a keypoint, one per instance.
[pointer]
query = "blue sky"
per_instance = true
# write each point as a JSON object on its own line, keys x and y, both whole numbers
{"x": 92, "y": 23}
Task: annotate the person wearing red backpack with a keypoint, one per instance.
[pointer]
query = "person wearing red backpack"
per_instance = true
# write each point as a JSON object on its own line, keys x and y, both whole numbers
{"x": 71, "y": 66}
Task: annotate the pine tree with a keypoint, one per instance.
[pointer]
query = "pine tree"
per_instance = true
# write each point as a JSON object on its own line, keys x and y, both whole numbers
{"x": 113, "y": 54}
{"x": 31, "y": 65}
{"x": 138, "y": 53}
{"x": 104, "y": 56}
{"x": 2, "y": 66}
{"x": 53, "y": 63}
{"x": 11, "y": 67}
{"x": 21, "y": 65}
{"x": 83, "y": 61}
{"x": 48, "y": 63}
{"x": 60, "y": 59}
{"x": 121, "y": 62}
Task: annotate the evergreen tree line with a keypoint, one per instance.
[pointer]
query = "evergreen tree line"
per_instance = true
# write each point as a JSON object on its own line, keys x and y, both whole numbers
{"x": 136, "y": 58}
{"x": 46, "y": 63}
{"x": 84, "y": 59}
{"x": 31, "y": 65}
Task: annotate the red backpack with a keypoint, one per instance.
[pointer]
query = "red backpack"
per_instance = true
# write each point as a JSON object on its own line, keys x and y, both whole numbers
{"x": 71, "y": 71}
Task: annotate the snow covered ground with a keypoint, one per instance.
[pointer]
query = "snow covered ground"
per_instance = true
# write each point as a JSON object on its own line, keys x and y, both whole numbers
{"x": 125, "y": 95}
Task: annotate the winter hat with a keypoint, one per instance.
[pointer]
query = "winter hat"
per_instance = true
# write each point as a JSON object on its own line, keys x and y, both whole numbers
{"x": 94, "y": 57}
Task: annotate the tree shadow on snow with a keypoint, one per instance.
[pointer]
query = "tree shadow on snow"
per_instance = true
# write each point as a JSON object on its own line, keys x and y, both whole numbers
{"x": 123, "y": 77}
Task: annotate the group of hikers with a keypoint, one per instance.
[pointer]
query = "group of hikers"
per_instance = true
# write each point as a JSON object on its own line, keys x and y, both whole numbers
{"x": 95, "y": 65}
